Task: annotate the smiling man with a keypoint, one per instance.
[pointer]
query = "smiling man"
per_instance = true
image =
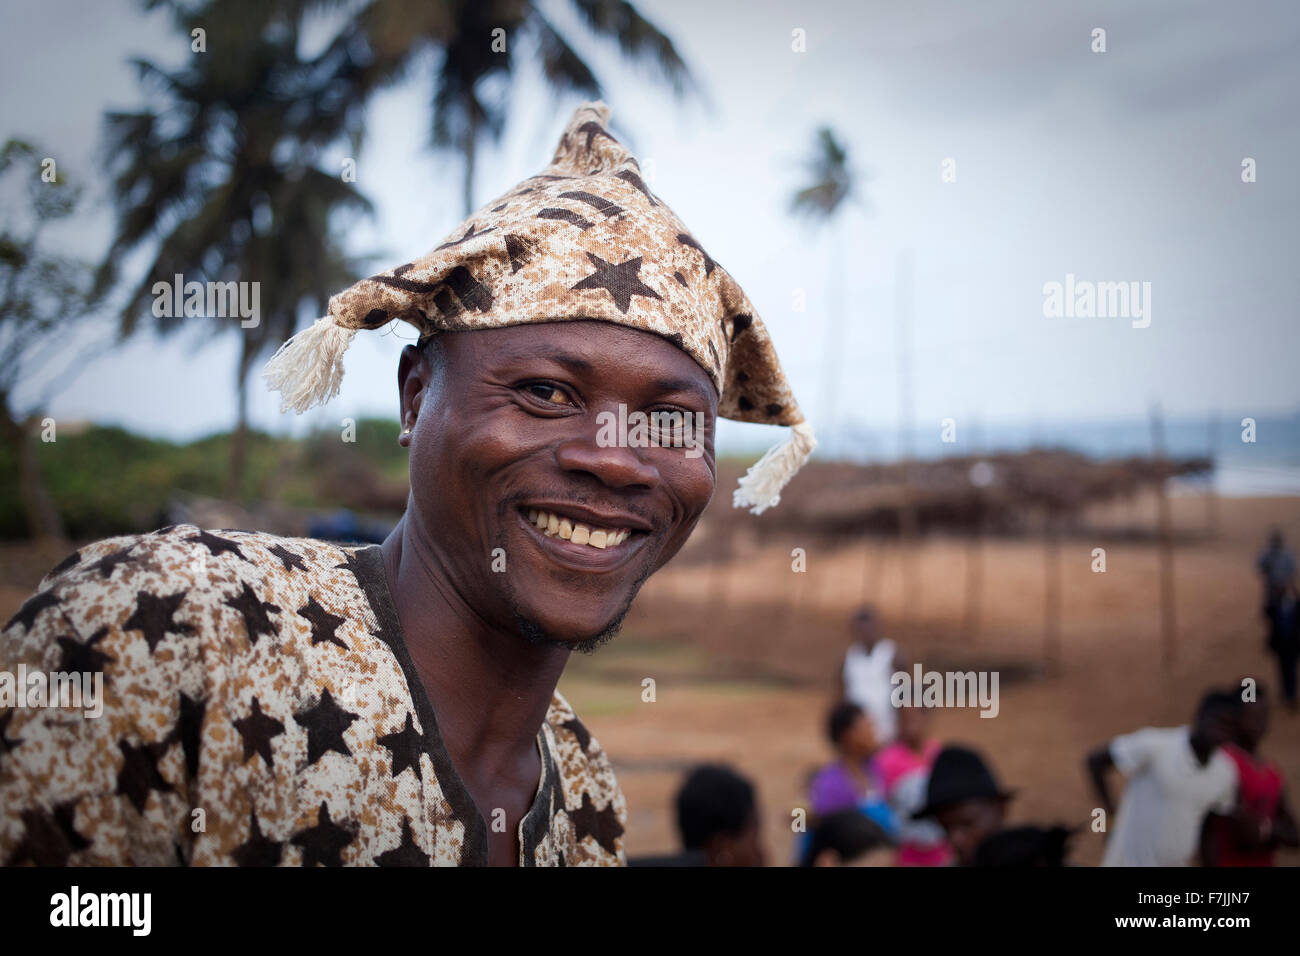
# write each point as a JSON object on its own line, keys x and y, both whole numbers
{"x": 289, "y": 701}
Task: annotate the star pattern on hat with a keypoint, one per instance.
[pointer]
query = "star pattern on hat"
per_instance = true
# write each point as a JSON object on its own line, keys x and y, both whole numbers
{"x": 602, "y": 205}
{"x": 405, "y": 747}
{"x": 33, "y": 606}
{"x": 326, "y": 722}
{"x": 620, "y": 280}
{"x": 256, "y": 731}
{"x": 603, "y": 825}
{"x": 323, "y": 843}
{"x": 139, "y": 774}
{"x": 155, "y": 617}
{"x": 255, "y": 612}
{"x": 686, "y": 239}
{"x": 257, "y": 850}
{"x": 324, "y": 625}
{"x": 469, "y": 234}
{"x": 406, "y": 853}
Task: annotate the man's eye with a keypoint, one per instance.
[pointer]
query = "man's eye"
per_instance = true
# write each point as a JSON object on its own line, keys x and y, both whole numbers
{"x": 548, "y": 393}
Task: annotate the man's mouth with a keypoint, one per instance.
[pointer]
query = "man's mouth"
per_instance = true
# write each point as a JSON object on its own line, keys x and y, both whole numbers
{"x": 569, "y": 528}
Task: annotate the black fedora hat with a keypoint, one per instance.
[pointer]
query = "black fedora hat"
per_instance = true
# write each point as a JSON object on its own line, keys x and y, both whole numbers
{"x": 959, "y": 774}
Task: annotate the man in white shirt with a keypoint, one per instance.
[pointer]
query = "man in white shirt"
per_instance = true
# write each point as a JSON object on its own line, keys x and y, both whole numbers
{"x": 1175, "y": 777}
{"x": 869, "y": 664}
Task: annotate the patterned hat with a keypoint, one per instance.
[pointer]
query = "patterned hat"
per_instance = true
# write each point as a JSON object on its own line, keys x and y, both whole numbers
{"x": 583, "y": 239}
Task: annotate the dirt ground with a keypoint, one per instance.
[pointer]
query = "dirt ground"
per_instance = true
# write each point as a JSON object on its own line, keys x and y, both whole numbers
{"x": 748, "y": 680}
{"x": 743, "y": 655}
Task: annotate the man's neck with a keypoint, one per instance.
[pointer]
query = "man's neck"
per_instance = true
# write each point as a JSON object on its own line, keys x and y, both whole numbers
{"x": 489, "y": 688}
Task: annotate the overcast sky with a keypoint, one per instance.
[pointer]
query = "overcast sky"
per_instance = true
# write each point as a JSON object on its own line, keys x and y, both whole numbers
{"x": 1115, "y": 166}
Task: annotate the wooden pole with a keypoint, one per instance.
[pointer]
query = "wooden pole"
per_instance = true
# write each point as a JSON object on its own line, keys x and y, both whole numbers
{"x": 1168, "y": 621}
{"x": 906, "y": 514}
{"x": 1052, "y": 592}
{"x": 975, "y": 581}
{"x": 1211, "y": 491}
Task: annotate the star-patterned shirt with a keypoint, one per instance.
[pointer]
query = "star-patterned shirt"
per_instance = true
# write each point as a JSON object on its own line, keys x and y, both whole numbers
{"x": 260, "y": 708}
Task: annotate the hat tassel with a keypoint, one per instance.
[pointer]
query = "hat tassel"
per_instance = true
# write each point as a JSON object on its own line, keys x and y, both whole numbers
{"x": 760, "y": 488}
{"x": 308, "y": 368}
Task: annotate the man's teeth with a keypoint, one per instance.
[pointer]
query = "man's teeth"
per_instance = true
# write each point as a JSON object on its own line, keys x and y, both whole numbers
{"x": 552, "y": 525}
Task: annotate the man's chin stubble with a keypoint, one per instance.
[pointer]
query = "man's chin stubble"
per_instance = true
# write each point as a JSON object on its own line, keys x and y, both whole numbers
{"x": 535, "y": 634}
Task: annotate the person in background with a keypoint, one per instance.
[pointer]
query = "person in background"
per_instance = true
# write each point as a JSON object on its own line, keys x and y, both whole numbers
{"x": 1175, "y": 777}
{"x": 869, "y": 663}
{"x": 903, "y": 769}
{"x": 847, "y": 838}
{"x": 850, "y": 781}
{"x": 1276, "y": 566}
{"x": 1284, "y": 642}
{"x": 717, "y": 817}
{"x": 1025, "y": 846}
{"x": 966, "y": 799}
{"x": 1262, "y": 820}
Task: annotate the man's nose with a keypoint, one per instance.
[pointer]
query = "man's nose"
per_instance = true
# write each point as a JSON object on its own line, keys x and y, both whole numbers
{"x": 612, "y": 462}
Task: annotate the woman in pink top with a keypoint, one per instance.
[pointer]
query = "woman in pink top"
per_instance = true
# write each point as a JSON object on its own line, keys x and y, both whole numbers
{"x": 903, "y": 769}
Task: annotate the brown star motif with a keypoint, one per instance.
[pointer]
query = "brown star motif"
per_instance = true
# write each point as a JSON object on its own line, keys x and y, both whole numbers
{"x": 257, "y": 729}
{"x": 324, "y": 842}
{"x": 154, "y": 617}
{"x": 139, "y": 774}
{"x": 216, "y": 544}
{"x": 288, "y": 558}
{"x": 601, "y": 824}
{"x": 81, "y": 657}
{"x": 255, "y": 612}
{"x": 48, "y": 838}
{"x": 323, "y": 623}
{"x": 33, "y": 606}
{"x": 618, "y": 279}
{"x": 406, "y": 853}
{"x": 257, "y": 850}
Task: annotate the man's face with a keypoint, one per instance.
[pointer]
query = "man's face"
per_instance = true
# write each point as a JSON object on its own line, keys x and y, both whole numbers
{"x": 510, "y": 429}
{"x": 969, "y": 822}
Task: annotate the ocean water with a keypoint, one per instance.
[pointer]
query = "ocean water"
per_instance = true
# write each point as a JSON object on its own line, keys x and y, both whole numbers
{"x": 1268, "y": 465}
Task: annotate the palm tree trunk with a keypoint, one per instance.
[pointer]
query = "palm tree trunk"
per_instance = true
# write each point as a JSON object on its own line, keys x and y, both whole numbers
{"x": 471, "y": 147}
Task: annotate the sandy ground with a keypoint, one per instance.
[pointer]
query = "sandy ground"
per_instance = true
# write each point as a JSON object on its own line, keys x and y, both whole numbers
{"x": 747, "y": 681}
{"x": 743, "y": 655}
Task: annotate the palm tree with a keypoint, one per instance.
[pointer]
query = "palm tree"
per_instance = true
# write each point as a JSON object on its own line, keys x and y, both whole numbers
{"x": 832, "y": 186}
{"x": 477, "y": 41}
{"x": 221, "y": 180}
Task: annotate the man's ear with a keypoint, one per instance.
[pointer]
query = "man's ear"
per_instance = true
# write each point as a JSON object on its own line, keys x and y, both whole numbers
{"x": 412, "y": 382}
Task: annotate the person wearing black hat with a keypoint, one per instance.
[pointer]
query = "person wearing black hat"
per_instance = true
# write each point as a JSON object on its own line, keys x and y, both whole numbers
{"x": 964, "y": 796}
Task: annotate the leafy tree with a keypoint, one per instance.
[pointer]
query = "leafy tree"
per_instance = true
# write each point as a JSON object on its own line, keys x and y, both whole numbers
{"x": 41, "y": 295}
